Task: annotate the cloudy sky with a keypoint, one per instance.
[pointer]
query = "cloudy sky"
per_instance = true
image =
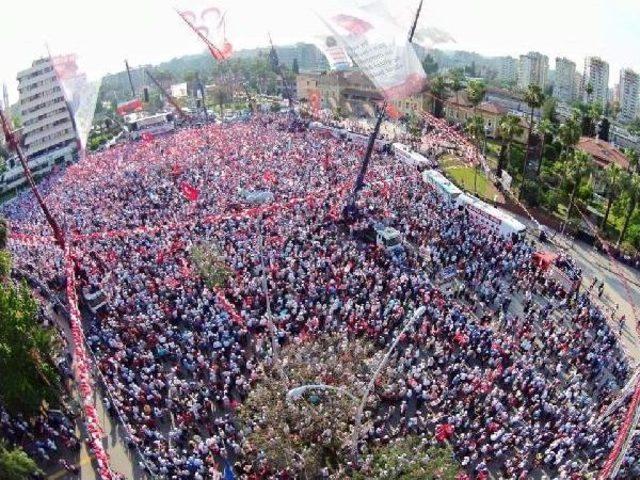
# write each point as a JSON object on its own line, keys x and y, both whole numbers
{"x": 105, "y": 32}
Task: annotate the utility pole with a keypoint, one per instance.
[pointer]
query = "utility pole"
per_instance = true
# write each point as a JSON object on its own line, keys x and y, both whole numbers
{"x": 166, "y": 95}
{"x": 278, "y": 69}
{"x": 363, "y": 403}
{"x": 133, "y": 90}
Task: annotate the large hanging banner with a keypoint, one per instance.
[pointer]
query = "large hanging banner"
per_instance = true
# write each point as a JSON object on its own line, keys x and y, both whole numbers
{"x": 208, "y": 20}
{"x": 335, "y": 54}
{"x": 378, "y": 46}
{"x": 81, "y": 94}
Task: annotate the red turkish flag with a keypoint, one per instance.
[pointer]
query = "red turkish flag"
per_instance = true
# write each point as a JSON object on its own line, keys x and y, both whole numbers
{"x": 190, "y": 192}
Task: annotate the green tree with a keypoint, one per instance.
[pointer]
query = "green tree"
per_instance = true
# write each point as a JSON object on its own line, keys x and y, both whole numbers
{"x": 509, "y": 128}
{"x": 15, "y": 464}
{"x": 27, "y": 372}
{"x": 456, "y": 82}
{"x": 475, "y": 129}
{"x": 476, "y": 91}
{"x": 549, "y": 109}
{"x": 210, "y": 264}
{"x": 568, "y": 136}
{"x": 311, "y": 430}
{"x": 3, "y": 233}
{"x": 614, "y": 180}
{"x": 534, "y": 98}
{"x": 632, "y": 191}
{"x": 589, "y": 91}
{"x": 634, "y": 159}
{"x": 438, "y": 88}
{"x": 545, "y": 129}
{"x": 578, "y": 167}
{"x": 429, "y": 64}
{"x": 295, "y": 67}
{"x": 410, "y": 458}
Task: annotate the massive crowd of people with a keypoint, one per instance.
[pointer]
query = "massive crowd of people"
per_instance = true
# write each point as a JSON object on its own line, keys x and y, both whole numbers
{"x": 518, "y": 367}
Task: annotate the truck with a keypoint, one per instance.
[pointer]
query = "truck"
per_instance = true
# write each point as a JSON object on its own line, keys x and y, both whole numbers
{"x": 442, "y": 184}
{"x": 490, "y": 216}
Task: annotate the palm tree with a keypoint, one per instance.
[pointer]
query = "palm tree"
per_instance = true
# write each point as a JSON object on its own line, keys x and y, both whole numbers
{"x": 534, "y": 98}
{"x": 589, "y": 91}
{"x": 634, "y": 159}
{"x": 438, "y": 90}
{"x": 579, "y": 166}
{"x": 456, "y": 82}
{"x": 476, "y": 91}
{"x": 545, "y": 128}
{"x": 509, "y": 128}
{"x": 614, "y": 179}
{"x": 475, "y": 129}
{"x": 632, "y": 189}
{"x": 569, "y": 135}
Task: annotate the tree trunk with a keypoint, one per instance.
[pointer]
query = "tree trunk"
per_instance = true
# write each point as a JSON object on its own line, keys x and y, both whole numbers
{"x": 606, "y": 213}
{"x": 570, "y": 207}
{"x": 501, "y": 159}
{"x": 627, "y": 219}
{"x": 544, "y": 137}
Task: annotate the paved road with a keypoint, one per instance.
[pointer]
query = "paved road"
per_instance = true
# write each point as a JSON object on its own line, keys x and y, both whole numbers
{"x": 595, "y": 264}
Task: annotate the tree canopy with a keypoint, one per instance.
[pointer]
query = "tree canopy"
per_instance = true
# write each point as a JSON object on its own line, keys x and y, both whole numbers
{"x": 15, "y": 464}
{"x": 27, "y": 372}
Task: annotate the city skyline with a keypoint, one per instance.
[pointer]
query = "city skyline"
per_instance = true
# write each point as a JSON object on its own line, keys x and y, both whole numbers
{"x": 149, "y": 32}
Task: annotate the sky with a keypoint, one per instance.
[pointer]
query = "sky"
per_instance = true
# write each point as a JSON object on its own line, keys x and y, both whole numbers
{"x": 104, "y": 33}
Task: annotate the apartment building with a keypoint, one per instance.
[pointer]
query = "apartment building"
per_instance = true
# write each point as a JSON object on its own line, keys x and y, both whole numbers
{"x": 628, "y": 91}
{"x": 564, "y": 89}
{"x": 533, "y": 69}
{"x": 595, "y": 76}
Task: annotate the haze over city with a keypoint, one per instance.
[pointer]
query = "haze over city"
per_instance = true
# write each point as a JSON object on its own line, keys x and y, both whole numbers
{"x": 363, "y": 239}
{"x": 149, "y": 31}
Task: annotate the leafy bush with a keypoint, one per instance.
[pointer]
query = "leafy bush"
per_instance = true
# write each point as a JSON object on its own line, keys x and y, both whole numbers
{"x": 27, "y": 372}
{"x": 551, "y": 199}
{"x": 15, "y": 464}
{"x": 3, "y": 233}
{"x": 532, "y": 193}
{"x": 410, "y": 459}
{"x": 211, "y": 265}
{"x": 5, "y": 265}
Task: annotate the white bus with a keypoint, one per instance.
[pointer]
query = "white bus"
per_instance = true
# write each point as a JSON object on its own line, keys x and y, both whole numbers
{"x": 409, "y": 157}
{"x": 153, "y": 124}
{"x": 441, "y": 184}
{"x": 492, "y": 217}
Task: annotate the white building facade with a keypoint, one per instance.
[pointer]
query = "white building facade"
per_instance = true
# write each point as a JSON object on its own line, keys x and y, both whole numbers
{"x": 48, "y": 133}
{"x": 564, "y": 89}
{"x": 596, "y": 74}
{"x": 628, "y": 91}
{"x": 533, "y": 69}
{"x": 508, "y": 70}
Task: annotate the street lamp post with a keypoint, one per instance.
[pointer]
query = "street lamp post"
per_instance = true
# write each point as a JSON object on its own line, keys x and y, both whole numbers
{"x": 275, "y": 346}
{"x": 358, "y": 418}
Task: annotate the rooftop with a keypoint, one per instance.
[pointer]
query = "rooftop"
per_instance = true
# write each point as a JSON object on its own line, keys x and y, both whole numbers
{"x": 603, "y": 153}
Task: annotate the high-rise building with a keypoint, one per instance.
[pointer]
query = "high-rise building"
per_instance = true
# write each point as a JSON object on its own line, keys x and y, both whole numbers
{"x": 48, "y": 129}
{"x": 564, "y": 89}
{"x": 595, "y": 76}
{"x": 628, "y": 91}
{"x": 533, "y": 69}
{"x": 508, "y": 70}
{"x": 4, "y": 105}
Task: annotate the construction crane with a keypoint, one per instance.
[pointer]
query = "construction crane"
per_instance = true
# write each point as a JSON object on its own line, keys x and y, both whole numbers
{"x": 169, "y": 98}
